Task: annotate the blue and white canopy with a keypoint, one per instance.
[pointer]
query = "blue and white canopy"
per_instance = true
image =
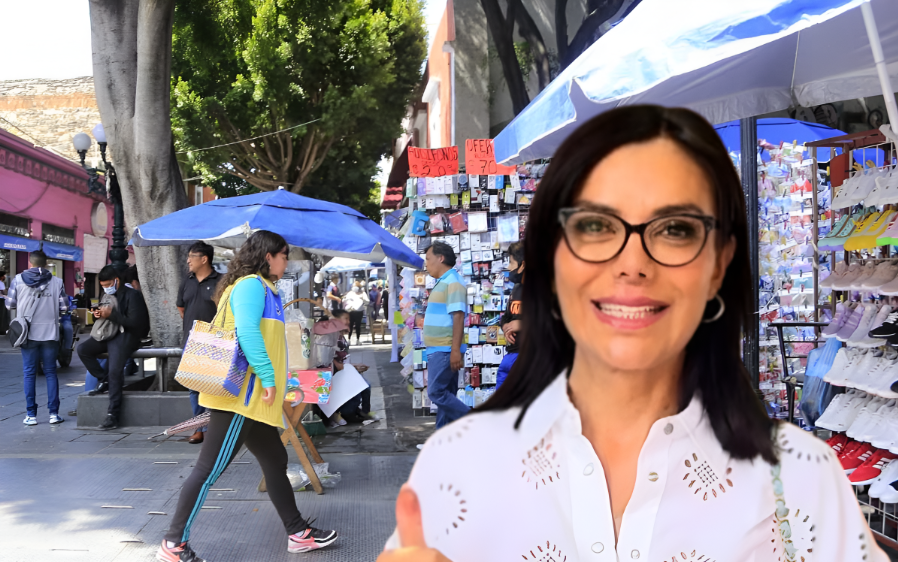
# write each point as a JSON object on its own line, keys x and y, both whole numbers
{"x": 316, "y": 226}
{"x": 345, "y": 265}
{"x": 726, "y": 59}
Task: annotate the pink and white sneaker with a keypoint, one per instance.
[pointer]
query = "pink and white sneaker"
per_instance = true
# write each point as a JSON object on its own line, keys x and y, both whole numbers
{"x": 310, "y": 539}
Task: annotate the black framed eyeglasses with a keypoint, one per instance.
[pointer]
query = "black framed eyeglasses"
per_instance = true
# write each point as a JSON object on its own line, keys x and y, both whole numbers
{"x": 671, "y": 240}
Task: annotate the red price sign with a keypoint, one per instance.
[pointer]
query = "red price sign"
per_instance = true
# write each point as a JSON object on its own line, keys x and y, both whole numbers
{"x": 480, "y": 158}
{"x": 432, "y": 162}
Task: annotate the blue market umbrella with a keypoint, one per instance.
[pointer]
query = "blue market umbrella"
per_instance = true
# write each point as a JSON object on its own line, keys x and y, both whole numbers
{"x": 725, "y": 59}
{"x": 315, "y": 226}
{"x": 778, "y": 129}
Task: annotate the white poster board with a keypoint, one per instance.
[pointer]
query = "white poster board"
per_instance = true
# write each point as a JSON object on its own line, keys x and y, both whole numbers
{"x": 95, "y": 250}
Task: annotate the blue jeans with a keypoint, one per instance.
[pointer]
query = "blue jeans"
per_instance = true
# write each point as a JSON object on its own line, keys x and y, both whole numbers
{"x": 43, "y": 353}
{"x": 442, "y": 387}
{"x": 195, "y": 404}
{"x": 504, "y": 368}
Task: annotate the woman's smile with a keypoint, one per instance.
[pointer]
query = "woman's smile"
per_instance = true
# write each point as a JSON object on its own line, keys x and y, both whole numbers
{"x": 632, "y": 313}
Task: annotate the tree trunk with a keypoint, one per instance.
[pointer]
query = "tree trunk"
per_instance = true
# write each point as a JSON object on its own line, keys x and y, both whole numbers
{"x": 131, "y": 43}
{"x": 530, "y": 32}
{"x": 598, "y": 13}
{"x": 502, "y": 29}
{"x": 561, "y": 28}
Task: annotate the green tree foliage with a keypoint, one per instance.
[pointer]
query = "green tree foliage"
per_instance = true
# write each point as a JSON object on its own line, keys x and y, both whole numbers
{"x": 246, "y": 68}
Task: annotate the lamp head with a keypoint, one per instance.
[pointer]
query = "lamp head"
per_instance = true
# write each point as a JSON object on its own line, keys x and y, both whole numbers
{"x": 99, "y": 133}
{"x": 82, "y": 142}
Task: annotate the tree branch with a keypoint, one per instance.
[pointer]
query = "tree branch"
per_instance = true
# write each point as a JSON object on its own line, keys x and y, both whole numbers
{"x": 530, "y": 32}
{"x": 561, "y": 28}
{"x": 602, "y": 11}
{"x": 503, "y": 40}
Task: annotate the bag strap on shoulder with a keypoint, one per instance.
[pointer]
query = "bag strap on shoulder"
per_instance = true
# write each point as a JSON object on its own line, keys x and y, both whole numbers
{"x": 33, "y": 304}
{"x": 223, "y": 312}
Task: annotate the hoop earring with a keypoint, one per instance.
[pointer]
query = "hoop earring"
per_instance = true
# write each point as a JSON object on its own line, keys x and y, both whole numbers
{"x": 720, "y": 312}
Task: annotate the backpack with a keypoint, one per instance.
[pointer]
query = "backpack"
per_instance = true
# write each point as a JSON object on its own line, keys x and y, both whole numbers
{"x": 18, "y": 326}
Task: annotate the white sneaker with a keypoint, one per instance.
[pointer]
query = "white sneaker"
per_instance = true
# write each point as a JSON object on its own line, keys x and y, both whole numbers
{"x": 862, "y": 418}
{"x": 829, "y": 419}
{"x": 864, "y": 326}
{"x": 866, "y": 380}
{"x": 863, "y": 361}
{"x": 888, "y": 431}
{"x": 884, "y": 314}
{"x": 875, "y": 421}
{"x": 846, "y": 416}
{"x": 835, "y": 371}
{"x": 889, "y": 475}
{"x": 30, "y": 420}
{"x": 54, "y": 418}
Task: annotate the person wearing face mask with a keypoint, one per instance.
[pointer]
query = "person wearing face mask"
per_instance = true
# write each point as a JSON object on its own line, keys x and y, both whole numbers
{"x": 511, "y": 323}
{"x": 130, "y": 312}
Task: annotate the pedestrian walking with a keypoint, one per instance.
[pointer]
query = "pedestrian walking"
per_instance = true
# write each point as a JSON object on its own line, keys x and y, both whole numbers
{"x": 248, "y": 302}
{"x": 385, "y": 303}
{"x": 195, "y": 303}
{"x": 444, "y": 324}
{"x": 355, "y": 303}
{"x": 129, "y": 311}
{"x": 4, "y": 314}
{"x": 38, "y": 297}
{"x": 333, "y": 295}
{"x": 372, "y": 306}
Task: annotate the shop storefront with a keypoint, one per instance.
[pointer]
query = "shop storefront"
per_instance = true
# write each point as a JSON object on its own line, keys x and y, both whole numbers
{"x": 45, "y": 204}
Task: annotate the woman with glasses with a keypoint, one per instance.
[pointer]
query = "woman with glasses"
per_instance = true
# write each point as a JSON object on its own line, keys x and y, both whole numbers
{"x": 628, "y": 428}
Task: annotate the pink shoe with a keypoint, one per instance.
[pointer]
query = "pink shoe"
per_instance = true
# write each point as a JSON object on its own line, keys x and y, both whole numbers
{"x": 310, "y": 539}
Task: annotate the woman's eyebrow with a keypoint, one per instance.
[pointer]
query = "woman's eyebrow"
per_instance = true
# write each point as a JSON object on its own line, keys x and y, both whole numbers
{"x": 686, "y": 208}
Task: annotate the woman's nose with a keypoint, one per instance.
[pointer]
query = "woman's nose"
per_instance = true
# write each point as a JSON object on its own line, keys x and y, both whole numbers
{"x": 633, "y": 261}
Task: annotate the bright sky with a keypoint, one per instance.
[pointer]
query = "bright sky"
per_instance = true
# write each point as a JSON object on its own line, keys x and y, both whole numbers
{"x": 50, "y": 39}
{"x": 56, "y": 42}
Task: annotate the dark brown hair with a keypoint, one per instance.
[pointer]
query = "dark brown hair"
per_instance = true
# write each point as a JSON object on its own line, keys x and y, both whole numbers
{"x": 251, "y": 258}
{"x": 713, "y": 366}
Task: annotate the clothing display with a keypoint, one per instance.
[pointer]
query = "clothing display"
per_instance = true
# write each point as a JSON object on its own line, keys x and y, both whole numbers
{"x": 478, "y": 216}
{"x": 691, "y": 500}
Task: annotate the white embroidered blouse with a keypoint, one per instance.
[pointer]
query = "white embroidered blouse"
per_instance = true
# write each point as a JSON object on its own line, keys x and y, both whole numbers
{"x": 489, "y": 492}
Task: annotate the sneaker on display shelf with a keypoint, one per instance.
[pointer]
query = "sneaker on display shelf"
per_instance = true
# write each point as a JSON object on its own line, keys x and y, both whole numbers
{"x": 886, "y": 272}
{"x": 867, "y": 272}
{"x": 881, "y": 317}
{"x": 888, "y": 328}
{"x": 844, "y": 281}
{"x": 887, "y": 432}
{"x": 872, "y": 468}
{"x": 865, "y": 379}
{"x": 889, "y": 493}
{"x": 860, "y": 421}
{"x": 851, "y": 461}
{"x": 843, "y": 312}
{"x": 837, "y": 273}
{"x": 881, "y": 485}
{"x": 852, "y": 323}
{"x": 875, "y": 419}
{"x": 863, "y": 327}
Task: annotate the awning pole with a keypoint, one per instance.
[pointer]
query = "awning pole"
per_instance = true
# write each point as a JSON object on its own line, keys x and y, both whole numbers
{"x": 885, "y": 81}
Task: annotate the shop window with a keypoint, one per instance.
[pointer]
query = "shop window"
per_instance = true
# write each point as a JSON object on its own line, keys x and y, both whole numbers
{"x": 17, "y": 226}
{"x": 58, "y": 234}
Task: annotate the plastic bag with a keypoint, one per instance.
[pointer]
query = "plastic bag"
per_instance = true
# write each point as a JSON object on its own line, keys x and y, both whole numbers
{"x": 817, "y": 393}
{"x": 300, "y": 481}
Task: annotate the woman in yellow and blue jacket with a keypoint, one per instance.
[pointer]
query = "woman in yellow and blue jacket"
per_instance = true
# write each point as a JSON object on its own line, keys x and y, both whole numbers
{"x": 249, "y": 303}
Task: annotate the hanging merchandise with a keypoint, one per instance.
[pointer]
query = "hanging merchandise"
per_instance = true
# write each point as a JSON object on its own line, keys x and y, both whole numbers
{"x": 793, "y": 199}
{"x": 478, "y": 216}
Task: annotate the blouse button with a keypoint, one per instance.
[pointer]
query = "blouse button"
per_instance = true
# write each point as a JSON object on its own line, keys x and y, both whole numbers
{"x": 598, "y": 547}
{"x": 668, "y": 429}
{"x": 587, "y": 471}
{"x": 653, "y": 476}
{"x": 634, "y": 555}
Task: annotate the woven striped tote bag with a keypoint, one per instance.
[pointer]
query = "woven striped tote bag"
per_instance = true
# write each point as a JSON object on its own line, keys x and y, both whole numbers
{"x": 213, "y": 362}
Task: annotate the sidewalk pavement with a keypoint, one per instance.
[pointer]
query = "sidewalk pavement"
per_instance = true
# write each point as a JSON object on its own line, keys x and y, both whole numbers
{"x": 57, "y": 478}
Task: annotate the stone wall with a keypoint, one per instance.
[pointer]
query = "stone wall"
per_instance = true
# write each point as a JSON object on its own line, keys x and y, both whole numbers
{"x": 48, "y": 113}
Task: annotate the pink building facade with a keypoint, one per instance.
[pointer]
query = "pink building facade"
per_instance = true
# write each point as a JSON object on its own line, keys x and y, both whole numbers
{"x": 44, "y": 200}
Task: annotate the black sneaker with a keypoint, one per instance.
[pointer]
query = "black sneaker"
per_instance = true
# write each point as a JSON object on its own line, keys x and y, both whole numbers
{"x": 109, "y": 423}
{"x": 310, "y": 539}
{"x": 180, "y": 553}
{"x": 888, "y": 328}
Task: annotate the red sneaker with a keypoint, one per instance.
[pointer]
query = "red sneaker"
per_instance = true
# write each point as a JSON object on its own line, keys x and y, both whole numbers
{"x": 872, "y": 467}
{"x": 838, "y": 442}
{"x": 857, "y": 457}
{"x": 849, "y": 448}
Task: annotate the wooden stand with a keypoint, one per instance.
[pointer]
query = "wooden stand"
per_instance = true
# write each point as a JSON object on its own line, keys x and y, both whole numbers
{"x": 293, "y": 415}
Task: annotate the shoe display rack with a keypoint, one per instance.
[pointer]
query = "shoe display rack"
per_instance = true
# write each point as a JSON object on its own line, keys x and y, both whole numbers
{"x": 479, "y": 216}
{"x": 793, "y": 210}
{"x": 863, "y": 415}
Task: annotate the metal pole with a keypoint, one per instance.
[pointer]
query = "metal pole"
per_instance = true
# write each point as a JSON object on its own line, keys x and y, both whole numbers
{"x": 118, "y": 255}
{"x": 749, "y": 150}
{"x": 885, "y": 81}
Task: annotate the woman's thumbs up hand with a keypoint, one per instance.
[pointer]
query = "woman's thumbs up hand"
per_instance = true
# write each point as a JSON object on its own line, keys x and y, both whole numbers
{"x": 411, "y": 532}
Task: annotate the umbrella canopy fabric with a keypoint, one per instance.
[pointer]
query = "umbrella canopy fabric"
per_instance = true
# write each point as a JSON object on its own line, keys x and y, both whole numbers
{"x": 776, "y": 130}
{"x": 316, "y": 226}
{"x": 726, "y": 60}
{"x": 341, "y": 265}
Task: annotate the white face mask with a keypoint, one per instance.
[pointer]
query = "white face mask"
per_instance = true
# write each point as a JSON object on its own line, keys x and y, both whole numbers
{"x": 111, "y": 290}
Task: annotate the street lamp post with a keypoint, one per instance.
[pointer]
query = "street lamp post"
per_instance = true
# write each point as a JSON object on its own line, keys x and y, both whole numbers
{"x": 119, "y": 253}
